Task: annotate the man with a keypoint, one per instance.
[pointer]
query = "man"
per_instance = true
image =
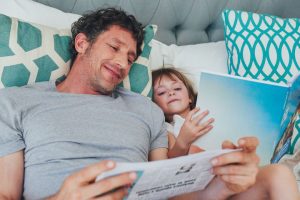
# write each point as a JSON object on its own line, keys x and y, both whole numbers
{"x": 56, "y": 138}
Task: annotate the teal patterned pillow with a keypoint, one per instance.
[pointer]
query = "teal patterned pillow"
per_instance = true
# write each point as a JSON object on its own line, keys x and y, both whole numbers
{"x": 261, "y": 46}
{"x": 32, "y": 53}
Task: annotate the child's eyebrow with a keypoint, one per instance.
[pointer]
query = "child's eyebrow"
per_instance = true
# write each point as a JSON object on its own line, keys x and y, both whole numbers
{"x": 163, "y": 86}
{"x": 160, "y": 86}
{"x": 176, "y": 82}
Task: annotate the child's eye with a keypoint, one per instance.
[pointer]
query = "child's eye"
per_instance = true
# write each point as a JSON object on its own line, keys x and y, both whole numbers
{"x": 161, "y": 93}
{"x": 177, "y": 89}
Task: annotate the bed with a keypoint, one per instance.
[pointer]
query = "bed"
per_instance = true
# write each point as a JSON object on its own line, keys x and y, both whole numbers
{"x": 190, "y": 33}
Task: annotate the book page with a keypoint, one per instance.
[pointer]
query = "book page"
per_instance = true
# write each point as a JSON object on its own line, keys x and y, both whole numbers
{"x": 167, "y": 178}
{"x": 242, "y": 107}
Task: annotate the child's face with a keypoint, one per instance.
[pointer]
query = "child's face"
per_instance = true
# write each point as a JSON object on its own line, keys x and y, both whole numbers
{"x": 172, "y": 96}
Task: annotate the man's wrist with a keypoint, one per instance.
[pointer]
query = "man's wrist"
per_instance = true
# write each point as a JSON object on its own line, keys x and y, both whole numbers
{"x": 217, "y": 190}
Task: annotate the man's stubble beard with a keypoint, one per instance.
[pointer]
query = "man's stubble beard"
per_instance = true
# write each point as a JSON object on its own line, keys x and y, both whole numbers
{"x": 100, "y": 89}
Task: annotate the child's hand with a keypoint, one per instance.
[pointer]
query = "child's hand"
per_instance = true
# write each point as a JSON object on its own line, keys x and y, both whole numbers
{"x": 193, "y": 127}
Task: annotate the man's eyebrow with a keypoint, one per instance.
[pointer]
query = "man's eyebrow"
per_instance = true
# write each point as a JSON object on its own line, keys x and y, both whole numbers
{"x": 130, "y": 53}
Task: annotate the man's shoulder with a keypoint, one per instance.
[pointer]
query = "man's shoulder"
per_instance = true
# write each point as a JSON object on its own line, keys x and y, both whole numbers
{"x": 120, "y": 91}
{"x": 137, "y": 99}
{"x": 16, "y": 92}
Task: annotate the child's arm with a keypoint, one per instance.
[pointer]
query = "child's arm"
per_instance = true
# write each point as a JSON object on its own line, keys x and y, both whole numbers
{"x": 191, "y": 130}
{"x": 175, "y": 148}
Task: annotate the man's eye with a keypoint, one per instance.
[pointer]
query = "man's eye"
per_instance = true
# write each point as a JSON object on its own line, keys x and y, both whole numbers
{"x": 114, "y": 48}
{"x": 130, "y": 62}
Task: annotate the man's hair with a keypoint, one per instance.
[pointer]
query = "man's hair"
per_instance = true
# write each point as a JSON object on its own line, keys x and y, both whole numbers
{"x": 95, "y": 23}
{"x": 172, "y": 73}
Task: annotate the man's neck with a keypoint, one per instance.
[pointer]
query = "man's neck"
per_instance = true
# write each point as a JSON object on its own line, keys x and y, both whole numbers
{"x": 75, "y": 87}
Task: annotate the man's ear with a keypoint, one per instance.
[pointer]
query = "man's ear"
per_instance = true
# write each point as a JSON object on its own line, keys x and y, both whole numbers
{"x": 81, "y": 43}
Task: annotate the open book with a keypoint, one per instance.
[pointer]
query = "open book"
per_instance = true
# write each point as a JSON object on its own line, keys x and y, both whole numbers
{"x": 246, "y": 107}
{"x": 167, "y": 178}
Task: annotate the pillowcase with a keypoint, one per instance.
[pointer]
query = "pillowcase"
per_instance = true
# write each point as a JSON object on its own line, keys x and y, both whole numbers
{"x": 31, "y": 53}
{"x": 261, "y": 46}
{"x": 190, "y": 59}
{"x": 45, "y": 15}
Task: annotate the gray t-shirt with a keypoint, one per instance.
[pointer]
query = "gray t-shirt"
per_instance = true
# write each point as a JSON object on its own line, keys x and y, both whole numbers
{"x": 61, "y": 132}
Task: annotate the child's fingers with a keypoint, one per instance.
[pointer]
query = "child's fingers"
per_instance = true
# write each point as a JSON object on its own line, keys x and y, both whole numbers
{"x": 191, "y": 113}
{"x": 205, "y": 124}
{"x": 204, "y": 130}
{"x": 199, "y": 117}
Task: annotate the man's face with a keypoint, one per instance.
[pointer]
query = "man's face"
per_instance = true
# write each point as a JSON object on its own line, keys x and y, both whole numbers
{"x": 109, "y": 59}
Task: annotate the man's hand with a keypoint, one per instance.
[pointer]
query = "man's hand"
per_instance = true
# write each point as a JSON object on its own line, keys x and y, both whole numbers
{"x": 237, "y": 169}
{"x": 82, "y": 185}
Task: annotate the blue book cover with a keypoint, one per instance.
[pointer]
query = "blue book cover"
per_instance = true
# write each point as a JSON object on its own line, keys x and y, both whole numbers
{"x": 246, "y": 107}
{"x": 291, "y": 113}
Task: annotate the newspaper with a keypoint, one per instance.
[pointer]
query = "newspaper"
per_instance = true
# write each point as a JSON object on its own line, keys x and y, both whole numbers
{"x": 167, "y": 178}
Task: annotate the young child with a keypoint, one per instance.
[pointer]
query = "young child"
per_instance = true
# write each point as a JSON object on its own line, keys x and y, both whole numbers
{"x": 174, "y": 93}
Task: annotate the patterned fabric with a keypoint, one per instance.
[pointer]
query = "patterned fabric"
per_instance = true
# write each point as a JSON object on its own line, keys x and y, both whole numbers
{"x": 262, "y": 46}
{"x": 32, "y": 53}
{"x": 295, "y": 142}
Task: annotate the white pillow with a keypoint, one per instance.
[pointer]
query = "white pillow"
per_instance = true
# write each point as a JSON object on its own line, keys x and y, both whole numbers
{"x": 38, "y": 13}
{"x": 190, "y": 59}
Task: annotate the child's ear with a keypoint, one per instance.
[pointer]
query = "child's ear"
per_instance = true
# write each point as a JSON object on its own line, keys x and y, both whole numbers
{"x": 190, "y": 100}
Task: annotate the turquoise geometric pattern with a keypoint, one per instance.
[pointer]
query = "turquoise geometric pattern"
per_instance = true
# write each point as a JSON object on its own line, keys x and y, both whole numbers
{"x": 261, "y": 46}
{"x": 32, "y": 53}
{"x": 15, "y": 75}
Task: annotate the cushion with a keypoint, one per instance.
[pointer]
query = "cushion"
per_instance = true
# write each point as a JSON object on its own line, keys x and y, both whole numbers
{"x": 190, "y": 59}
{"x": 45, "y": 15}
{"x": 261, "y": 46}
{"x": 31, "y": 53}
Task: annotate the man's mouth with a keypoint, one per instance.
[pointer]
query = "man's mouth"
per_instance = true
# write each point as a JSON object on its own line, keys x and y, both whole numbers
{"x": 114, "y": 72}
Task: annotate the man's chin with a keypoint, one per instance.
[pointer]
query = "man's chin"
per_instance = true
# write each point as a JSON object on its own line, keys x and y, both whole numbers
{"x": 105, "y": 90}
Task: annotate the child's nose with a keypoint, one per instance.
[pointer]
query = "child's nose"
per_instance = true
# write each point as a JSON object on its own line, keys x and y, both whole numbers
{"x": 171, "y": 92}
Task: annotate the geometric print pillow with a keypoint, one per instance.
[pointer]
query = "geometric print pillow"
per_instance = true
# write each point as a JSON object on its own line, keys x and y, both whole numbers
{"x": 261, "y": 46}
{"x": 32, "y": 53}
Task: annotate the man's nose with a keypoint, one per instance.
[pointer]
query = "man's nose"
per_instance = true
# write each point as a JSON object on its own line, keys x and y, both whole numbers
{"x": 122, "y": 61}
